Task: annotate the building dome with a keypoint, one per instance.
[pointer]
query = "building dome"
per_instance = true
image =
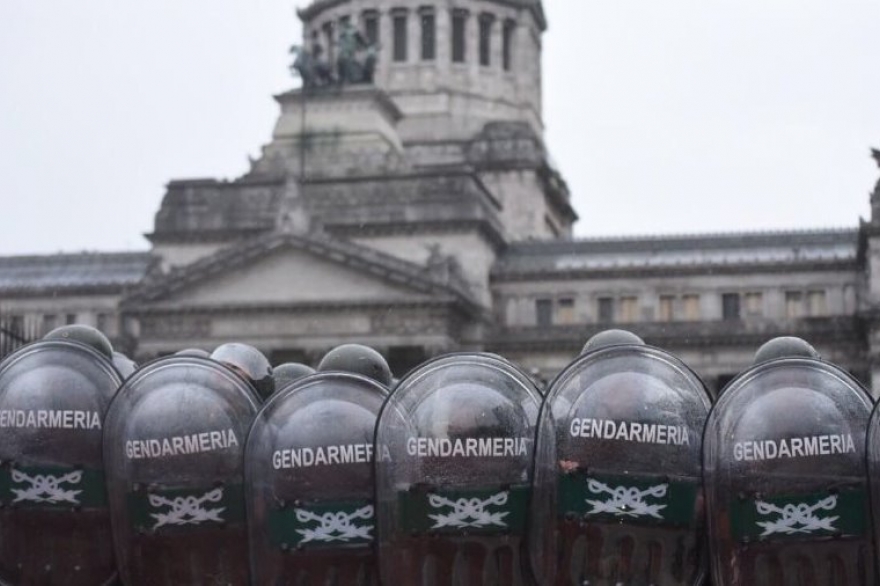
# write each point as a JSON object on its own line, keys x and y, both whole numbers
{"x": 450, "y": 66}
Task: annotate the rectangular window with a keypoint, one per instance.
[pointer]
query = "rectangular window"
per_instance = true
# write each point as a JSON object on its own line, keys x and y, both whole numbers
{"x": 816, "y": 304}
{"x": 486, "y": 22}
{"x": 691, "y": 306}
{"x": 507, "y": 44}
{"x": 730, "y": 306}
{"x": 565, "y": 311}
{"x": 429, "y": 34}
{"x": 371, "y": 27}
{"x": 666, "y": 308}
{"x": 794, "y": 304}
{"x": 400, "y": 37}
{"x": 50, "y": 322}
{"x": 754, "y": 303}
{"x": 629, "y": 309}
{"x": 459, "y": 20}
{"x": 102, "y": 320}
{"x": 606, "y": 310}
{"x": 70, "y": 319}
{"x": 544, "y": 312}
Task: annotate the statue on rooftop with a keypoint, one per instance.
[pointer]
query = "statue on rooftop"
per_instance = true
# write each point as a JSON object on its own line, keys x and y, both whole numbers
{"x": 355, "y": 62}
{"x": 310, "y": 67}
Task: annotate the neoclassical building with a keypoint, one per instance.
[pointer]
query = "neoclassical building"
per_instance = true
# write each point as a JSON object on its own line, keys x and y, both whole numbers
{"x": 420, "y": 214}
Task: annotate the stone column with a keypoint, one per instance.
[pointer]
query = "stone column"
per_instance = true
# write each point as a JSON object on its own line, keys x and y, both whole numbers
{"x": 386, "y": 46}
{"x": 443, "y": 15}
{"x": 413, "y": 37}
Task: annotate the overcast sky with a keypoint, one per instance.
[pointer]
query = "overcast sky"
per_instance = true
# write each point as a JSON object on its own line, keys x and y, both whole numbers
{"x": 671, "y": 116}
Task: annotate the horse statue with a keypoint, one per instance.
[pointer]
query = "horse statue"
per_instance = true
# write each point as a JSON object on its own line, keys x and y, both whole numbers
{"x": 313, "y": 71}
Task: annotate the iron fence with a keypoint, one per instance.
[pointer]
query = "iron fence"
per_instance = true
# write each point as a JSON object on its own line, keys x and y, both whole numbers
{"x": 15, "y": 332}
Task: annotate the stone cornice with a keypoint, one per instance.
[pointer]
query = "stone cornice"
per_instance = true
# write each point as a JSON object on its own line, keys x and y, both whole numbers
{"x": 573, "y": 274}
{"x": 408, "y": 228}
{"x": 55, "y": 291}
{"x": 534, "y": 6}
{"x": 304, "y": 307}
{"x": 344, "y": 93}
{"x": 202, "y": 236}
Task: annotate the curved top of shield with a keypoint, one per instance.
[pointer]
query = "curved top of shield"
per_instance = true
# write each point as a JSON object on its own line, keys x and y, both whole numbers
{"x": 313, "y": 441}
{"x": 52, "y": 392}
{"x": 178, "y": 420}
{"x": 611, "y": 338}
{"x": 800, "y": 419}
{"x": 462, "y": 420}
{"x": 358, "y": 359}
{"x": 84, "y": 335}
{"x": 785, "y": 347}
{"x": 249, "y": 363}
{"x": 628, "y": 404}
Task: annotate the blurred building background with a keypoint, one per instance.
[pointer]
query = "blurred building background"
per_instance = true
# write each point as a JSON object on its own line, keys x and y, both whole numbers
{"x": 421, "y": 214}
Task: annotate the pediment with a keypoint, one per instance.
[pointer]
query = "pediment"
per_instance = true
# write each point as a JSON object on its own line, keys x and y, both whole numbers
{"x": 289, "y": 270}
{"x": 290, "y": 276}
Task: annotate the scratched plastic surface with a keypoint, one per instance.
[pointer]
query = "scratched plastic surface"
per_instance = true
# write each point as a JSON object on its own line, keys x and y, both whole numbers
{"x": 453, "y": 485}
{"x": 786, "y": 488}
{"x": 174, "y": 446}
{"x": 53, "y": 397}
{"x": 618, "y": 472}
{"x": 310, "y": 485}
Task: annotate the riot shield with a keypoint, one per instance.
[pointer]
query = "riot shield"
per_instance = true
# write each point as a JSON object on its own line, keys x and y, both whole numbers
{"x": 309, "y": 473}
{"x": 173, "y": 448}
{"x": 454, "y": 466}
{"x": 618, "y": 476}
{"x": 54, "y": 517}
{"x": 785, "y": 482}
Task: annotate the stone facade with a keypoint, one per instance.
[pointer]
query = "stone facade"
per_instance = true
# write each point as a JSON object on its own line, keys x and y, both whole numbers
{"x": 421, "y": 215}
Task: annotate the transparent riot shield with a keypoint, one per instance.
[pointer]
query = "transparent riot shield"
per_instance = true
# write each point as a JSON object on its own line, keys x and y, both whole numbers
{"x": 173, "y": 448}
{"x": 54, "y": 517}
{"x": 784, "y": 471}
{"x": 873, "y": 449}
{"x": 310, "y": 488}
{"x": 618, "y": 495}
{"x": 454, "y": 469}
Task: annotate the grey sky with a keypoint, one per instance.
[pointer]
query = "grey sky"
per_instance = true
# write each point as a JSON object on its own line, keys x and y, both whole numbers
{"x": 673, "y": 116}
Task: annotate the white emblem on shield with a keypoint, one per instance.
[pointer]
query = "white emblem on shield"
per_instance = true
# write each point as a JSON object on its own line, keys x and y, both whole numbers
{"x": 465, "y": 512}
{"x": 627, "y": 501}
{"x": 338, "y": 526}
{"x": 799, "y": 518}
{"x": 187, "y": 510}
{"x": 45, "y": 488}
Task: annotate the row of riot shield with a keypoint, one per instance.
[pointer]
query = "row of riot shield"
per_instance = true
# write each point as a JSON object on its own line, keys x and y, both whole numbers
{"x": 463, "y": 474}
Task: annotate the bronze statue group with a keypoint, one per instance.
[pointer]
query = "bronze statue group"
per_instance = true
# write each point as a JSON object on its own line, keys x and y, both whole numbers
{"x": 355, "y": 61}
{"x": 203, "y": 468}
